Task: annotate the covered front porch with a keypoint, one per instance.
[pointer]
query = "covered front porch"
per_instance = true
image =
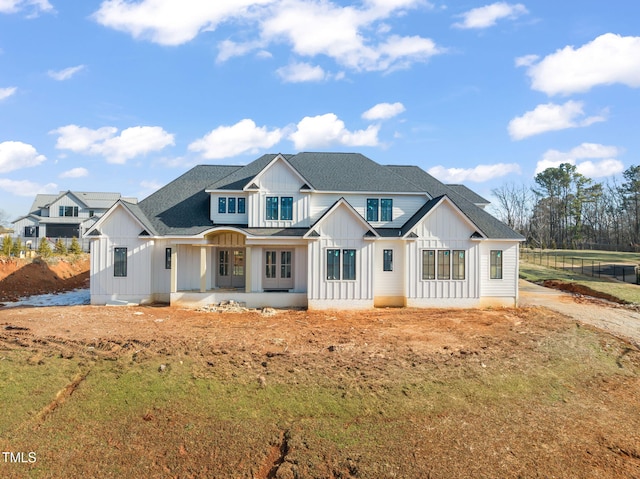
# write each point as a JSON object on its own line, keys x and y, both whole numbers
{"x": 226, "y": 265}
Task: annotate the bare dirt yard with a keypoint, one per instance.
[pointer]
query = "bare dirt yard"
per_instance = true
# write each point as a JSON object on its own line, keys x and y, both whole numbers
{"x": 165, "y": 392}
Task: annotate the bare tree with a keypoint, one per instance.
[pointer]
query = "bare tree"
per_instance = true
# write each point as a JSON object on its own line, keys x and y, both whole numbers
{"x": 514, "y": 206}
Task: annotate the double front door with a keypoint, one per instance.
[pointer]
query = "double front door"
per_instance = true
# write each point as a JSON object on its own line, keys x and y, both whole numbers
{"x": 230, "y": 269}
{"x": 278, "y": 269}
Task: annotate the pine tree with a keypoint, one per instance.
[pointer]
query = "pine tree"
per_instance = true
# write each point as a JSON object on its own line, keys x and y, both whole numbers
{"x": 17, "y": 247}
{"x": 60, "y": 247}
{"x": 7, "y": 245}
{"x": 75, "y": 247}
{"x": 44, "y": 249}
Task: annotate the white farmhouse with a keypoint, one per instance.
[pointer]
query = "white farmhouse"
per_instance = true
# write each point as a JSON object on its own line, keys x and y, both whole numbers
{"x": 316, "y": 230}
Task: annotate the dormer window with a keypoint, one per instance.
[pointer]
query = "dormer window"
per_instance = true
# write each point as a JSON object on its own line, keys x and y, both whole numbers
{"x": 231, "y": 205}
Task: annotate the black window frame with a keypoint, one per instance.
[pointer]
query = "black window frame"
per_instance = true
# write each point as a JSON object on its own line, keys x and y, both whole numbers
{"x": 429, "y": 266}
{"x": 231, "y": 205}
{"x": 120, "y": 256}
{"x": 349, "y": 268}
{"x": 373, "y": 205}
{"x": 167, "y": 258}
{"x": 386, "y": 209}
{"x": 271, "y": 208}
{"x": 333, "y": 264}
{"x": 286, "y": 208}
{"x": 495, "y": 264}
{"x": 222, "y": 205}
{"x": 242, "y": 206}
{"x": 458, "y": 265}
{"x": 387, "y": 260}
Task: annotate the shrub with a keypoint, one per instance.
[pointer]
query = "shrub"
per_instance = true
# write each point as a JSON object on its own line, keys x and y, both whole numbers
{"x": 17, "y": 247}
{"x": 60, "y": 247}
{"x": 44, "y": 248}
{"x": 75, "y": 247}
{"x": 7, "y": 245}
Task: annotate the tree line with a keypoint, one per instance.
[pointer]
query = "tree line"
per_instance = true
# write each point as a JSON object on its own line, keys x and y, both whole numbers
{"x": 11, "y": 247}
{"x": 565, "y": 209}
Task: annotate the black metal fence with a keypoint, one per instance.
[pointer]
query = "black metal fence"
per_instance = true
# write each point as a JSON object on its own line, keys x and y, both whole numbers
{"x": 628, "y": 273}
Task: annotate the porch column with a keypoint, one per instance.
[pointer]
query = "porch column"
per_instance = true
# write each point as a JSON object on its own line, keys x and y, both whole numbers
{"x": 174, "y": 268}
{"x": 247, "y": 269}
{"x": 203, "y": 269}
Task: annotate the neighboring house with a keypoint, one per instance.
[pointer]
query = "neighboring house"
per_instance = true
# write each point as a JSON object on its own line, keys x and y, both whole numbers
{"x": 5, "y": 232}
{"x": 316, "y": 230}
{"x": 66, "y": 215}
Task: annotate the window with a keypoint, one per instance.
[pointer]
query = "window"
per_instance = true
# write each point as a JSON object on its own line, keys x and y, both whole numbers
{"x": 386, "y": 209}
{"x": 231, "y": 205}
{"x": 372, "y": 209}
{"x": 167, "y": 258}
{"x": 428, "y": 264}
{"x": 68, "y": 211}
{"x": 387, "y": 260}
{"x": 91, "y": 213}
{"x": 270, "y": 266}
{"x": 31, "y": 231}
{"x": 286, "y": 208}
{"x": 120, "y": 262}
{"x": 444, "y": 264}
{"x": 241, "y": 208}
{"x": 495, "y": 264}
{"x": 222, "y": 205}
{"x": 458, "y": 271}
{"x": 272, "y": 207}
{"x": 333, "y": 264}
{"x": 349, "y": 264}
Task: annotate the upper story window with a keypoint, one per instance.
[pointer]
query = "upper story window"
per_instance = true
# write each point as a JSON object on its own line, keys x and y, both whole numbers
{"x": 379, "y": 209}
{"x": 231, "y": 205}
{"x": 279, "y": 208}
{"x": 272, "y": 208}
{"x": 68, "y": 211}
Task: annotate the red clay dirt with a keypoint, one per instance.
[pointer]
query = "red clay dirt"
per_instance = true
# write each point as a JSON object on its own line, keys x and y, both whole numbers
{"x": 23, "y": 277}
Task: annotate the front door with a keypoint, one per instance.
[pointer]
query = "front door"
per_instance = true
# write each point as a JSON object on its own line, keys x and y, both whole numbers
{"x": 278, "y": 269}
{"x": 230, "y": 270}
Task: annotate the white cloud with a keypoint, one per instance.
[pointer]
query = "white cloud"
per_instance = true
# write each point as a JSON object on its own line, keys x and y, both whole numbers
{"x": 14, "y": 6}
{"x": 130, "y": 143}
{"x": 478, "y": 174}
{"x": 75, "y": 173}
{"x": 15, "y": 155}
{"x": 301, "y": 72}
{"x": 487, "y": 16}
{"x": 606, "y": 165}
{"x": 65, "y": 74}
{"x": 325, "y": 130}
{"x": 7, "y": 92}
{"x": 606, "y": 60}
{"x": 526, "y": 60}
{"x": 315, "y": 28}
{"x": 351, "y": 35}
{"x": 168, "y": 22}
{"x": 383, "y": 111}
{"x": 551, "y": 117}
{"x": 229, "y": 141}
{"x": 26, "y": 188}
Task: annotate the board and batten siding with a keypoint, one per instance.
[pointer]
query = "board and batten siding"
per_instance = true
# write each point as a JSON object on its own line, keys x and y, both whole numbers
{"x": 443, "y": 229}
{"x": 278, "y": 180}
{"x": 389, "y": 286}
{"x": 500, "y": 291}
{"x": 228, "y": 218}
{"x": 120, "y": 230}
{"x": 404, "y": 206}
{"x": 341, "y": 230}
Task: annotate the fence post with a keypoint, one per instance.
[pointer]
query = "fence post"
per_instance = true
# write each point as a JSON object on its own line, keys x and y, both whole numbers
{"x": 582, "y": 269}
{"x": 624, "y": 276}
{"x": 599, "y": 268}
{"x": 592, "y": 272}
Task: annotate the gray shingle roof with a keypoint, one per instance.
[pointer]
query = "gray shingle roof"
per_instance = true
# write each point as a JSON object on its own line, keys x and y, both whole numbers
{"x": 242, "y": 175}
{"x": 348, "y": 172}
{"x": 469, "y": 194}
{"x": 182, "y": 206}
{"x": 488, "y": 225}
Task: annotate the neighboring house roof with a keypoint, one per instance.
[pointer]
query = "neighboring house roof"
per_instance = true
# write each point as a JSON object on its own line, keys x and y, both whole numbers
{"x": 97, "y": 200}
{"x": 469, "y": 194}
{"x": 488, "y": 225}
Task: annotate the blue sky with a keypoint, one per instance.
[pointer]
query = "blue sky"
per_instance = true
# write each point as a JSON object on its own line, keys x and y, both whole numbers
{"x": 127, "y": 95}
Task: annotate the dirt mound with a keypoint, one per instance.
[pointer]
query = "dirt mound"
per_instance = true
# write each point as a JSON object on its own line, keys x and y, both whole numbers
{"x": 580, "y": 289}
{"x": 21, "y": 277}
